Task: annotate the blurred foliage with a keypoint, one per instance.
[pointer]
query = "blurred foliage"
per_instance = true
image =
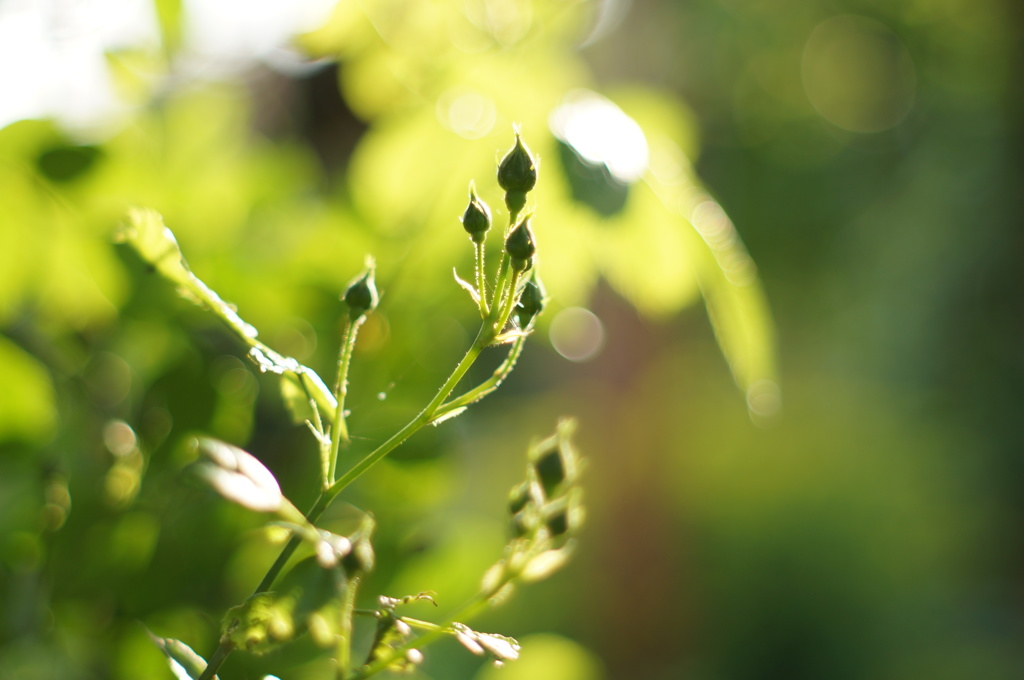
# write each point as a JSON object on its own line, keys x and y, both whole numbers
{"x": 868, "y": 152}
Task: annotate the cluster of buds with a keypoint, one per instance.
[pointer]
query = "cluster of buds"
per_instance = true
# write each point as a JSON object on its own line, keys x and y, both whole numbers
{"x": 546, "y": 506}
{"x": 545, "y": 511}
{"x": 517, "y": 175}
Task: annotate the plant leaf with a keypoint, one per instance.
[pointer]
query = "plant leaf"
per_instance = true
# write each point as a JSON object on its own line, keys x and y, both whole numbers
{"x": 501, "y": 647}
{"x": 184, "y": 663}
{"x": 155, "y": 243}
{"x": 239, "y": 476}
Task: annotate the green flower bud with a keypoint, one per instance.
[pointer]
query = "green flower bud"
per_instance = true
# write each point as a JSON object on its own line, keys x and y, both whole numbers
{"x": 517, "y": 171}
{"x": 550, "y": 469}
{"x": 558, "y": 522}
{"x": 520, "y": 525}
{"x": 360, "y": 560}
{"x": 361, "y": 294}
{"x": 531, "y": 302}
{"x": 260, "y": 623}
{"x": 519, "y": 497}
{"x": 477, "y": 218}
{"x": 519, "y": 245}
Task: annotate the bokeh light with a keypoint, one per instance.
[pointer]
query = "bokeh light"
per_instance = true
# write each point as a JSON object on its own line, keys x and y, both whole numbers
{"x": 858, "y": 74}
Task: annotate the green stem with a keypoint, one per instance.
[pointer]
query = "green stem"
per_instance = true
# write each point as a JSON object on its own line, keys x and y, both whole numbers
{"x": 509, "y": 302}
{"x": 489, "y": 385}
{"x": 499, "y": 287}
{"x": 226, "y": 647}
{"x": 216, "y": 661}
{"x": 339, "y": 431}
{"x": 481, "y": 279}
{"x": 483, "y": 339}
{"x": 348, "y": 605}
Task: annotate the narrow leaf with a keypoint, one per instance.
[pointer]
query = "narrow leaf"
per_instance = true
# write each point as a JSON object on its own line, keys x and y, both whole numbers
{"x": 239, "y": 476}
{"x": 184, "y": 663}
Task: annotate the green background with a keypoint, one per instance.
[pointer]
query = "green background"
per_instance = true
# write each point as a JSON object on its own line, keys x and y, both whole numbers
{"x": 868, "y": 153}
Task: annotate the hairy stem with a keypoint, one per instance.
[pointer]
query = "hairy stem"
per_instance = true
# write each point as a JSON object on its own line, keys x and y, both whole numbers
{"x": 339, "y": 430}
{"x": 348, "y": 605}
{"x": 483, "y": 339}
{"x": 481, "y": 279}
{"x": 489, "y": 385}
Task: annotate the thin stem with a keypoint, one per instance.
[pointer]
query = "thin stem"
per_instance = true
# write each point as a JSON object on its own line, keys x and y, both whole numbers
{"x": 348, "y": 605}
{"x": 492, "y": 383}
{"x": 499, "y": 287}
{"x": 216, "y": 661}
{"x": 481, "y": 279}
{"x": 226, "y": 647}
{"x": 509, "y": 302}
{"x": 339, "y": 431}
{"x": 483, "y": 339}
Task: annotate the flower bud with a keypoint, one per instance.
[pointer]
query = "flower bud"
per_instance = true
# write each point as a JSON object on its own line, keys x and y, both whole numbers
{"x": 360, "y": 558}
{"x": 519, "y": 497}
{"x": 558, "y": 522}
{"x": 517, "y": 172}
{"x": 361, "y": 294}
{"x": 531, "y": 302}
{"x": 550, "y": 470}
{"x": 519, "y": 245}
{"x": 477, "y": 218}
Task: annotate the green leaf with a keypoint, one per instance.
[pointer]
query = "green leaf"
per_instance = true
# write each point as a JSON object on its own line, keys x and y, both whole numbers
{"x": 239, "y": 476}
{"x": 185, "y": 663}
{"x": 155, "y": 243}
{"x": 27, "y": 401}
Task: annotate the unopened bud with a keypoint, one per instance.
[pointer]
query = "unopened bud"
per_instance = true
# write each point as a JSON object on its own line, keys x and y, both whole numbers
{"x": 361, "y": 294}
{"x": 477, "y": 218}
{"x": 517, "y": 172}
{"x": 519, "y": 245}
{"x": 558, "y": 523}
{"x": 531, "y": 302}
{"x": 550, "y": 470}
{"x": 360, "y": 560}
{"x": 519, "y": 497}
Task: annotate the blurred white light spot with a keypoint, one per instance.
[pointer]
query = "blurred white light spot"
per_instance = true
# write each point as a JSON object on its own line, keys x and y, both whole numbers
{"x": 119, "y": 438}
{"x": 601, "y": 133}
{"x": 468, "y": 114}
{"x": 577, "y": 334}
{"x": 54, "y": 56}
{"x": 226, "y": 34}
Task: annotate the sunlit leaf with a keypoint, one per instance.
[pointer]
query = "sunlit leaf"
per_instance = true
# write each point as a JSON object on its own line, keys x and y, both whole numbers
{"x": 155, "y": 243}
{"x": 184, "y": 663}
{"x": 239, "y": 476}
{"x": 502, "y": 648}
{"x": 27, "y": 408}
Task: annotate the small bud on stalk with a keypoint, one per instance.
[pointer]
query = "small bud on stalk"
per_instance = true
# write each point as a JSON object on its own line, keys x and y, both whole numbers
{"x": 531, "y": 302}
{"x": 361, "y": 295}
{"x": 520, "y": 247}
{"x": 517, "y": 175}
{"x": 477, "y": 218}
